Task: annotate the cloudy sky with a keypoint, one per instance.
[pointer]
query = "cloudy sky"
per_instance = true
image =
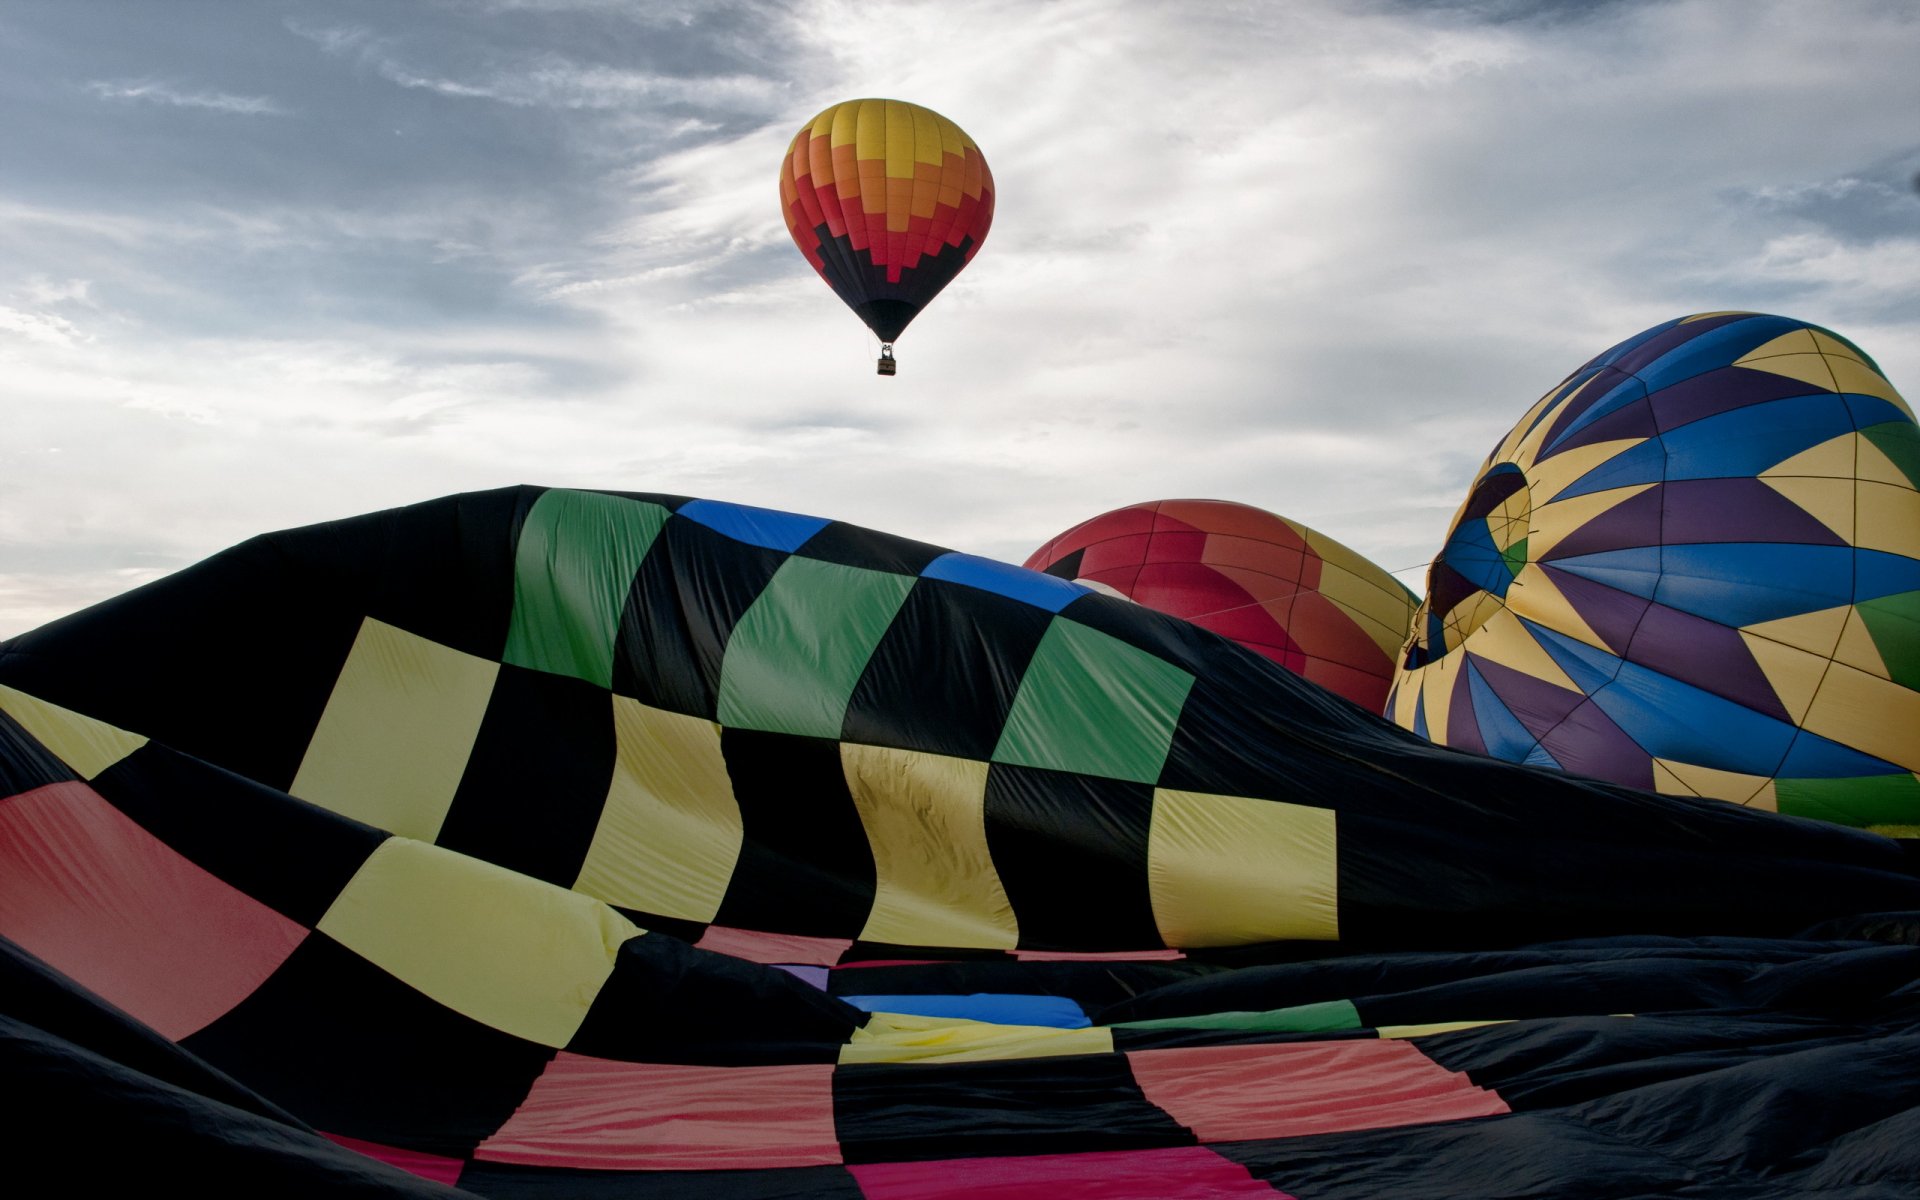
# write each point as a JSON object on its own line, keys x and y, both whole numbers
{"x": 270, "y": 263}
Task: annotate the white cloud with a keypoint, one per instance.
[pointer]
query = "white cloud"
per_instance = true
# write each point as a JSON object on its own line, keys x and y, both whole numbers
{"x": 152, "y": 92}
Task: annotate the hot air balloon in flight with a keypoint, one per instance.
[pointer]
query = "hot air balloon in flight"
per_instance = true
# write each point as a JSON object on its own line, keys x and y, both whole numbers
{"x": 888, "y": 201}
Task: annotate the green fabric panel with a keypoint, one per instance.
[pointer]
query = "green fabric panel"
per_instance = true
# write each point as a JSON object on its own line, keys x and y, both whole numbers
{"x": 794, "y": 658}
{"x": 1090, "y": 703}
{"x": 1894, "y": 622}
{"x": 1515, "y": 556}
{"x": 1899, "y": 441}
{"x": 1326, "y": 1016}
{"x": 572, "y": 571}
{"x": 1864, "y": 800}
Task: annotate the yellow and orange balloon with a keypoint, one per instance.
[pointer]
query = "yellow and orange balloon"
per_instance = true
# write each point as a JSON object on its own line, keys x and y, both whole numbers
{"x": 888, "y": 201}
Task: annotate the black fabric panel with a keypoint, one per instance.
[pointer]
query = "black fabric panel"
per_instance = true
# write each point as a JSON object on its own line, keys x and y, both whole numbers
{"x": 53, "y": 1006}
{"x": 292, "y": 856}
{"x": 853, "y": 546}
{"x": 531, "y": 795}
{"x": 1071, "y": 851}
{"x": 943, "y": 676}
{"x": 886, "y": 306}
{"x": 203, "y": 659}
{"x": 106, "y": 1129}
{"x": 904, "y": 1111}
{"x": 457, "y": 585}
{"x": 352, "y": 1050}
{"x": 691, "y": 590}
{"x": 25, "y": 764}
{"x": 232, "y": 660}
{"x": 804, "y": 864}
{"x": 501, "y": 1181}
{"x": 1068, "y": 567}
{"x": 667, "y": 1002}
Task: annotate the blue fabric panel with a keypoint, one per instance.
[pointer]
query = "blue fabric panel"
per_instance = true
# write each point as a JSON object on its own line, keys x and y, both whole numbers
{"x": 1621, "y": 394}
{"x": 1742, "y": 583}
{"x": 1420, "y": 715}
{"x": 1590, "y": 667}
{"x": 1814, "y": 757}
{"x": 1872, "y": 410}
{"x": 1633, "y": 343}
{"x": 1471, "y": 552}
{"x": 755, "y": 526}
{"x": 1673, "y": 719}
{"x": 1636, "y": 570}
{"x": 1714, "y": 348}
{"x": 1501, "y": 731}
{"x": 1000, "y": 1008}
{"x": 1538, "y": 757}
{"x": 1877, "y": 573}
{"x": 1033, "y": 587}
{"x": 1747, "y": 441}
{"x": 1645, "y": 463}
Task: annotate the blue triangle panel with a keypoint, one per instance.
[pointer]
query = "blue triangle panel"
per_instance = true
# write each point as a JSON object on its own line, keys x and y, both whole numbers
{"x": 1741, "y": 583}
{"x": 1635, "y": 570}
{"x": 1420, "y": 715}
{"x": 1590, "y": 667}
{"x": 755, "y": 526}
{"x": 1872, "y": 410}
{"x": 1538, "y": 757}
{"x": 1746, "y": 441}
{"x": 1714, "y": 348}
{"x": 1500, "y": 731}
{"x": 1621, "y": 394}
{"x": 1645, "y": 463}
{"x": 1877, "y": 573}
{"x": 1677, "y": 720}
{"x": 1814, "y": 757}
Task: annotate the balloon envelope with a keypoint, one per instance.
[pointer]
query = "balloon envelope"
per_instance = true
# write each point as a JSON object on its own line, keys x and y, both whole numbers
{"x": 1693, "y": 566}
{"x": 888, "y": 201}
{"x": 1273, "y": 585}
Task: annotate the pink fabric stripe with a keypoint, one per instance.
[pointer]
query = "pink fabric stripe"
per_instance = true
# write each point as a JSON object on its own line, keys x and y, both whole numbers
{"x": 600, "y": 1114}
{"x": 1175, "y": 1173}
{"x": 1237, "y": 1093}
{"x": 428, "y": 1166}
{"x": 755, "y": 946}
{"x": 127, "y": 916}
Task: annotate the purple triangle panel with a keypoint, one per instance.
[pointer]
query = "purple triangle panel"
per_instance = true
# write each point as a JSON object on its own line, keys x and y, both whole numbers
{"x": 1706, "y": 654}
{"x": 1628, "y": 525}
{"x": 1634, "y": 420}
{"x": 1534, "y": 702}
{"x": 1463, "y": 734}
{"x": 1588, "y": 743}
{"x": 1721, "y": 391}
{"x": 1737, "y": 510}
{"x": 1609, "y": 612}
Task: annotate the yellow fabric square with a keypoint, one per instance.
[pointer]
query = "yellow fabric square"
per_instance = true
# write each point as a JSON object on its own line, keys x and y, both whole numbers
{"x": 508, "y": 950}
{"x": 394, "y": 738}
{"x": 903, "y": 1037}
{"x": 84, "y": 744}
{"x": 670, "y": 833}
{"x": 1231, "y": 870}
{"x": 1867, "y": 713}
{"x": 925, "y": 817}
{"x": 1888, "y": 519}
